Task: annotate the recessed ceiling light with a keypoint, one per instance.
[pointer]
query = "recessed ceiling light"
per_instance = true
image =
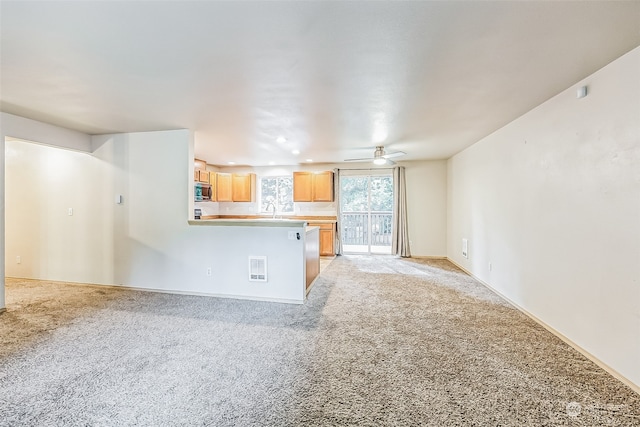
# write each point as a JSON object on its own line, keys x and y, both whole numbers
{"x": 281, "y": 140}
{"x": 309, "y": 160}
{"x": 272, "y": 163}
{"x": 231, "y": 163}
{"x": 295, "y": 152}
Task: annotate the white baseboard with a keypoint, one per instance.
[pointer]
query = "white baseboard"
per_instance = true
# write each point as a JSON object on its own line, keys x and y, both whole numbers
{"x": 579, "y": 349}
{"x": 206, "y": 294}
{"x": 169, "y": 291}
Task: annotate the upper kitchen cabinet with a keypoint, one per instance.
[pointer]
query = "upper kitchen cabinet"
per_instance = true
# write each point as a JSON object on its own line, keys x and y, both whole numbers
{"x": 302, "y": 183}
{"x": 213, "y": 181}
{"x": 203, "y": 176}
{"x": 199, "y": 164}
{"x": 200, "y": 174}
{"x": 243, "y": 187}
{"x": 313, "y": 186}
{"x": 233, "y": 187}
{"x": 223, "y": 187}
{"x": 323, "y": 186}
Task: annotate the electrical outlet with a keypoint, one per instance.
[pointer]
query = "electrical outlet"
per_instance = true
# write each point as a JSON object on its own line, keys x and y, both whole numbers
{"x": 18, "y": 259}
{"x": 209, "y": 271}
{"x": 70, "y": 211}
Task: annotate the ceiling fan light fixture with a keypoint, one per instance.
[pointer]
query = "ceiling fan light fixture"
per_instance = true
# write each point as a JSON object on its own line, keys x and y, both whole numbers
{"x": 379, "y": 161}
{"x": 380, "y": 157}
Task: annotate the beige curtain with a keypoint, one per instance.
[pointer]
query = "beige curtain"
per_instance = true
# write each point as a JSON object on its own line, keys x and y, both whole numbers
{"x": 336, "y": 200}
{"x": 400, "y": 232}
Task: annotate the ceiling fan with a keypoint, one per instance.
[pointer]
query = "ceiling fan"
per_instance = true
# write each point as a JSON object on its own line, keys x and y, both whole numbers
{"x": 380, "y": 157}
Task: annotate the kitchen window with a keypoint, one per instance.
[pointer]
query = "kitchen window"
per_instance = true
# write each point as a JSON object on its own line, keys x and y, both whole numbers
{"x": 276, "y": 194}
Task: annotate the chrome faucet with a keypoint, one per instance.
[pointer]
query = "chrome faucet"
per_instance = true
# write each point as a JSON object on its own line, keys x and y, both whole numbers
{"x": 270, "y": 204}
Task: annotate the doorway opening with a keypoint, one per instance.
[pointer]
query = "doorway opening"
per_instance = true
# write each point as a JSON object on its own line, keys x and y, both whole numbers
{"x": 366, "y": 210}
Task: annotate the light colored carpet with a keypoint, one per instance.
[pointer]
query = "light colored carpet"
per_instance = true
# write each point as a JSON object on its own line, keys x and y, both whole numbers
{"x": 381, "y": 341}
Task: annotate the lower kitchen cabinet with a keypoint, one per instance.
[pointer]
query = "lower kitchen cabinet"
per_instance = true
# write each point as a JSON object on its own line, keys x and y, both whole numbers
{"x": 327, "y": 238}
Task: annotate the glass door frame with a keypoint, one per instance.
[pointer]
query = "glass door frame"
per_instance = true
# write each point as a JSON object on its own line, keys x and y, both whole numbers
{"x": 368, "y": 174}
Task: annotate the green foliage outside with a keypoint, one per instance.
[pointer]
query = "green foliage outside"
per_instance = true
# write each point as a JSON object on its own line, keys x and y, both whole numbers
{"x": 276, "y": 192}
{"x": 354, "y": 195}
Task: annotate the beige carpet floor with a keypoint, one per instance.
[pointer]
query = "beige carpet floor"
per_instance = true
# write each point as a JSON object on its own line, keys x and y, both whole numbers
{"x": 381, "y": 341}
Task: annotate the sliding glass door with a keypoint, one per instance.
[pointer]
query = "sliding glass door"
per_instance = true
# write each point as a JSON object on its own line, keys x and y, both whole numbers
{"x": 366, "y": 205}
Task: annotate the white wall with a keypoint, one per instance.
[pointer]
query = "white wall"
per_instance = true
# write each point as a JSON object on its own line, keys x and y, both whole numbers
{"x": 155, "y": 248}
{"x": 146, "y": 241}
{"x": 42, "y": 183}
{"x": 427, "y": 207}
{"x": 552, "y": 201}
{"x": 31, "y": 130}
{"x": 44, "y": 133}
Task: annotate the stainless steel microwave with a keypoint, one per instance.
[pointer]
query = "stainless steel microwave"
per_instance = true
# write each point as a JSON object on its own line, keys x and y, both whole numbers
{"x": 202, "y": 192}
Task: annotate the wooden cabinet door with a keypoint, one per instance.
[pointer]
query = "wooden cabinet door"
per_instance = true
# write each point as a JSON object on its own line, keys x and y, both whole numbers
{"x": 327, "y": 236}
{"x": 223, "y": 187}
{"x": 243, "y": 187}
{"x": 326, "y": 242}
{"x": 214, "y": 189}
{"x": 323, "y": 186}
{"x": 200, "y": 164}
{"x": 204, "y": 176}
{"x": 302, "y": 186}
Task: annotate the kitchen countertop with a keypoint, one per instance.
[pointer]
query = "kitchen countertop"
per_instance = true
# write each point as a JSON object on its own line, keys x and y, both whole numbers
{"x": 249, "y": 222}
{"x": 325, "y": 219}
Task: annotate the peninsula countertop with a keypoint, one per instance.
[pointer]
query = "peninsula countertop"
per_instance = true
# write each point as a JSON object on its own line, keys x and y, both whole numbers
{"x": 249, "y": 222}
{"x": 263, "y": 220}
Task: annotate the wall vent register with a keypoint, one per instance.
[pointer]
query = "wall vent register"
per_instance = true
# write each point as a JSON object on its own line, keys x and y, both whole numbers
{"x": 257, "y": 268}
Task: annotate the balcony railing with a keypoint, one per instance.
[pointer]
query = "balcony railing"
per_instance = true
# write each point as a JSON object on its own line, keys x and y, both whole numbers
{"x": 356, "y": 228}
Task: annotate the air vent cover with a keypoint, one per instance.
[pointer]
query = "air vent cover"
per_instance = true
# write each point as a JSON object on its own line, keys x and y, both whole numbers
{"x": 257, "y": 268}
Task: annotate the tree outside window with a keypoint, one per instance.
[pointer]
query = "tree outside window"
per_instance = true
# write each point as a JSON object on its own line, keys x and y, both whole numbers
{"x": 276, "y": 192}
{"x": 363, "y": 193}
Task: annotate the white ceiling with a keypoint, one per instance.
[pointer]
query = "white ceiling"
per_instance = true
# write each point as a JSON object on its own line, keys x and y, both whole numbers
{"x": 334, "y": 78}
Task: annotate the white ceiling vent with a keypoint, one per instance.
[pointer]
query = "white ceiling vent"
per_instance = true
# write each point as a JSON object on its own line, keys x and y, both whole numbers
{"x": 257, "y": 268}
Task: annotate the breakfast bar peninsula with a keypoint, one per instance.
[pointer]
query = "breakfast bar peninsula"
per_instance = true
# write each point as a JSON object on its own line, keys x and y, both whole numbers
{"x": 266, "y": 259}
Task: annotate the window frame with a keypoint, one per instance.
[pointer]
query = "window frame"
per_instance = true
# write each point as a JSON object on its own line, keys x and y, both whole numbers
{"x": 278, "y": 209}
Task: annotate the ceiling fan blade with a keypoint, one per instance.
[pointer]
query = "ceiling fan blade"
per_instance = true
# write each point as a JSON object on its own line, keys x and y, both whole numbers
{"x": 395, "y": 154}
{"x": 359, "y": 160}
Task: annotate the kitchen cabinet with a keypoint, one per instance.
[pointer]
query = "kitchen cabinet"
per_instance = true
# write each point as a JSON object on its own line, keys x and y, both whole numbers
{"x": 200, "y": 164}
{"x": 223, "y": 187}
{"x": 213, "y": 183}
{"x": 243, "y": 187}
{"x": 313, "y": 186}
{"x": 323, "y": 186}
{"x": 203, "y": 176}
{"x": 327, "y": 238}
{"x": 233, "y": 187}
{"x": 302, "y": 187}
